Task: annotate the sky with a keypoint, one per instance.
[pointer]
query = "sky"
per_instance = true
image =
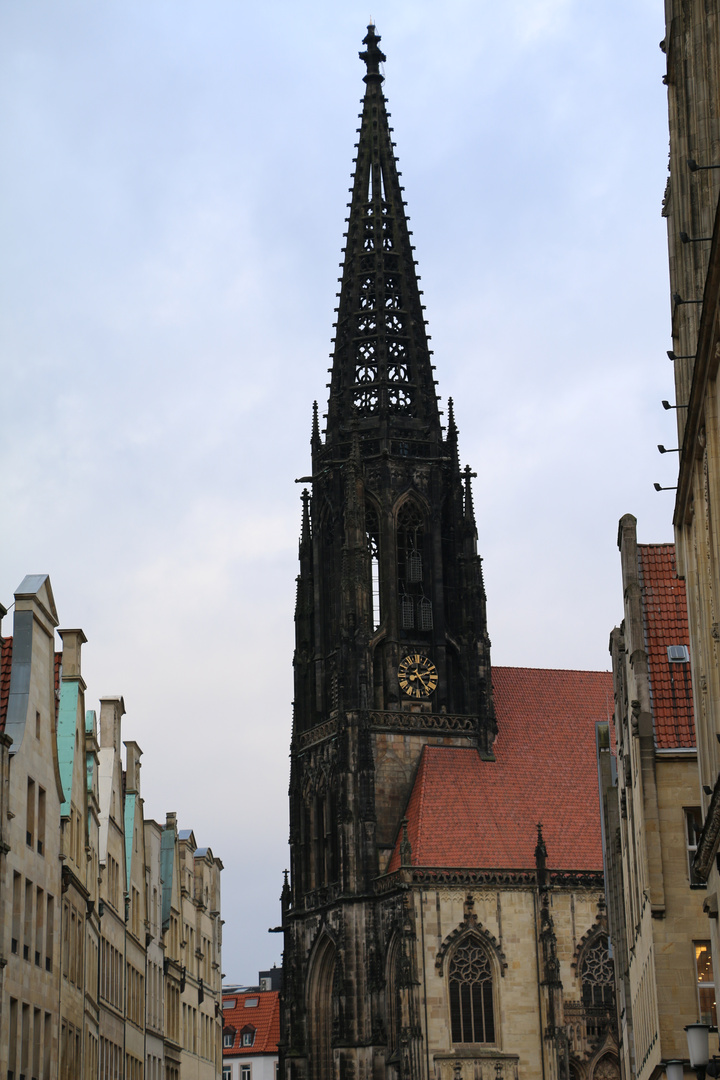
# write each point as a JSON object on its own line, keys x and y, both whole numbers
{"x": 174, "y": 177}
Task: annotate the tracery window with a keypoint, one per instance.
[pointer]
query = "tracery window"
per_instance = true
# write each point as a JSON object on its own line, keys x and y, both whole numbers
{"x": 400, "y": 401}
{"x": 472, "y": 1016}
{"x": 596, "y": 975}
{"x": 367, "y": 293}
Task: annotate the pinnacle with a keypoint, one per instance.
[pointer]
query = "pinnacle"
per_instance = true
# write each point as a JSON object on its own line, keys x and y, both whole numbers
{"x": 372, "y": 56}
{"x": 469, "y": 508}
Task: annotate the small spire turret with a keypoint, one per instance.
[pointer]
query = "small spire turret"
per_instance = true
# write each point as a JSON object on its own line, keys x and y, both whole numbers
{"x": 452, "y": 435}
{"x": 305, "y": 534}
{"x": 315, "y": 441}
{"x": 469, "y": 508}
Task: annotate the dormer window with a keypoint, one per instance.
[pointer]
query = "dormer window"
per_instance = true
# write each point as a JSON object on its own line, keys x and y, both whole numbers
{"x": 247, "y": 1036}
{"x": 228, "y": 1038}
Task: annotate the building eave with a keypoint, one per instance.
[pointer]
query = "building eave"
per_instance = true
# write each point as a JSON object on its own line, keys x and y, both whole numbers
{"x": 704, "y": 370}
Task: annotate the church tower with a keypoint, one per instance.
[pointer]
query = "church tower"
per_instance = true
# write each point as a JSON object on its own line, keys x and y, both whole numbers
{"x": 431, "y": 930}
{"x": 392, "y": 651}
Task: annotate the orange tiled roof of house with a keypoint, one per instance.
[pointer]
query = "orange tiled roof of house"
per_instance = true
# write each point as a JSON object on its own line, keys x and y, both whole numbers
{"x": 264, "y": 1017}
{"x": 5, "y": 666}
{"x": 472, "y": 814}
{"x": 666, "y": 623}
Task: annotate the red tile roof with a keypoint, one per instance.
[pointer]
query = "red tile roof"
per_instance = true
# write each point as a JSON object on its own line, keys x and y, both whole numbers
{"x": 264, "y": 1017}
{"x": 666, "y": 623}
{"x": 472, "y": 814}
{"x": 5, "y": 665}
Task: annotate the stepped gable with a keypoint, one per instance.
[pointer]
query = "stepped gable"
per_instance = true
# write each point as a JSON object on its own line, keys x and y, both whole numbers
{"x": 666, "y": 623}
{"x": 264, "y": 1017}
{"x": 468, "y": 813}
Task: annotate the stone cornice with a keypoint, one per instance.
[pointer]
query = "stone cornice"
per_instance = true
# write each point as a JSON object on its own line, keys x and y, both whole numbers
{"x": 419, "y": 722}
{"x": 437, "y": 877}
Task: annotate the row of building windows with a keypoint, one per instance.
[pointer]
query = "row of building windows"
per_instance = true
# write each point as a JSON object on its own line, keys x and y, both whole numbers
{"x": 135, "y": 995}
{"x": 73, "y": 944}
{"x": 111, "y": 1060}
{"x": 70, "y": 1051}
{"x": 33, "y": 923}
{"x": 111, "y": 966}
{"x": 29, "y": 1041}
{"x": 154, "y": 996}
{"x": 198, "y": 1032}
{"x": 133, "y": 1068}
{"x": 153, "y": 1068}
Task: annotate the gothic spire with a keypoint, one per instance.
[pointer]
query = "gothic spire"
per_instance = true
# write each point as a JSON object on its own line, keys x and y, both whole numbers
{"x": 381, "y": 374}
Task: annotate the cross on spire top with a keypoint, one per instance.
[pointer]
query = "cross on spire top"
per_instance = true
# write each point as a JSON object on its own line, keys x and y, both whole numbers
{"x": 373, "y": 56}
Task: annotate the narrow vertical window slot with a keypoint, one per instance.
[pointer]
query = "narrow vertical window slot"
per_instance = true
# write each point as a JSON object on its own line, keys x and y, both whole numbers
{"x": 28, "y": 927}
{"x": 41, "y": 821}
{"x": 30, "y": 814}
{"x": 39, "y": 926}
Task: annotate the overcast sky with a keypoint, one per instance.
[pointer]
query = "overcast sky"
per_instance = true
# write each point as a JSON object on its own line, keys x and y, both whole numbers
{"x": 173, "y": 183}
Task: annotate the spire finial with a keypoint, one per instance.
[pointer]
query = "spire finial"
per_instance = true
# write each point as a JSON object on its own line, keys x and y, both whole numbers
{"x": 315, "y": 435}
{"x": 373, "y": 56}
{"x": 452, "y": 426}
{"x": 469, "y": 508}
{"x": 305, "y": 530}
{"x": 452, "y": 434}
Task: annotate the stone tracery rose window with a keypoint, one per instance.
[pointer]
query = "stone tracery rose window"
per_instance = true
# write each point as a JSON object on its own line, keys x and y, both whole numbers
{"x": 597, "y": 975}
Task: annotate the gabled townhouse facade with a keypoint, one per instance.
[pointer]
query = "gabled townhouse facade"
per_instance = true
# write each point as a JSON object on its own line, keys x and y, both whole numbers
{"x": 92, "y": 896}
{"x": 32, "y": 842}
{"x": 652, "y": 818}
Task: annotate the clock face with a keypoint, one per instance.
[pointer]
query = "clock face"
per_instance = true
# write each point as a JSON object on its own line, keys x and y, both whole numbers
{"x": 417, "y": 676}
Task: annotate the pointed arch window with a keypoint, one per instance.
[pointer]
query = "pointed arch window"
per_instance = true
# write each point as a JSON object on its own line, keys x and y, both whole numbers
{"x": 392, "y": 999}
{"x": 415, "y": 607}
{"x": 596, "y": 974}
{"x": 372, "y": 532}
{"x": 472, "y": 1008}
{"x": 322, "y": 1007}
